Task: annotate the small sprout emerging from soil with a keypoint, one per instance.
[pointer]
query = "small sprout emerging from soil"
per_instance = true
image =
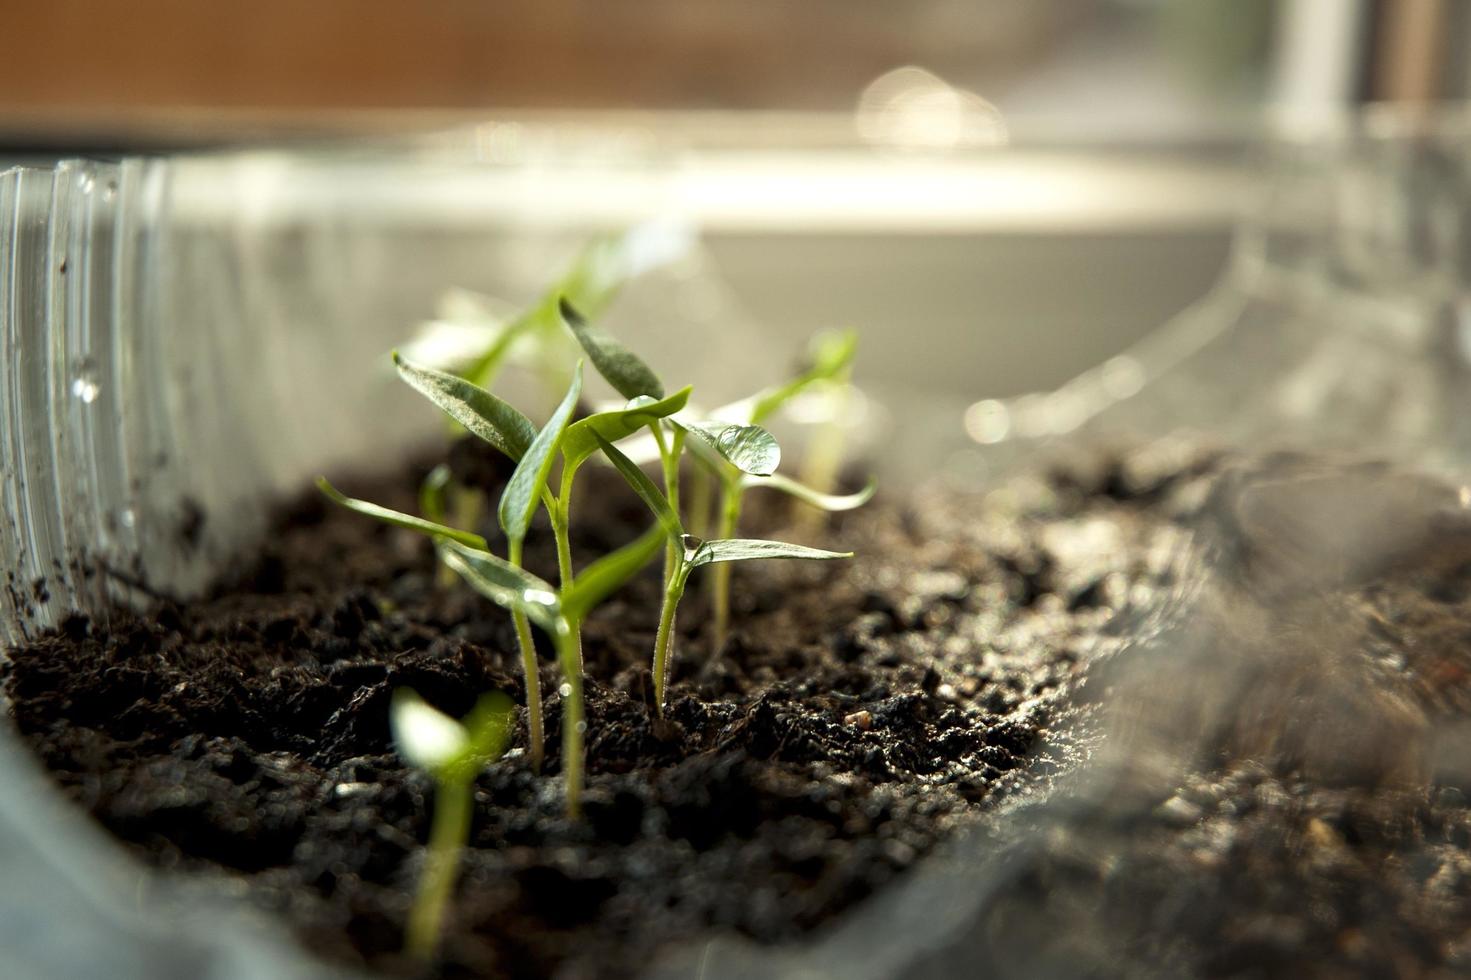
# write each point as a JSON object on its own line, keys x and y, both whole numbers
{"x": 530, "y": 600}
{"x": 512, "y": 434}
{"x": 514, "y": 588}
{"x": 691, "y": 554}
{"x": 737, "y": 454}
{"x": 453, "y": 753}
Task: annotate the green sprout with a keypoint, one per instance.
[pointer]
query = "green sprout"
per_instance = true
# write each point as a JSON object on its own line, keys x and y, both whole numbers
{"x": 512, "y": 434}
{"x": 536, "y": 600}
{"x": 634, "y": 380}
{"x": 471, "y": 341}
{"x": 738, "y": 454}
{"x": 558, "y": 611}
{"x": 453, "y": 753}
{"x": 745, "y": 448}
{"x": 691, "y": 553}
{"x": 735, "y": 452}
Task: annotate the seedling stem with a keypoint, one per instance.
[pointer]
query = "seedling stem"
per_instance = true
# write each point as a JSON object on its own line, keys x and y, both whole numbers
{"x": 536, "y": 747}
{"x": 447, "y": 835}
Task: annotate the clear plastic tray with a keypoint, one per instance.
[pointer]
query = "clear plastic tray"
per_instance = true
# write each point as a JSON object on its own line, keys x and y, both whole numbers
{"x": 183, "y": 341}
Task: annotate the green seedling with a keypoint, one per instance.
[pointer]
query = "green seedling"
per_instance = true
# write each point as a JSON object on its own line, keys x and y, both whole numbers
{"x": 692, "y": 553}
{"x": 511, "y": 433}
{"x": 514, "y": 588}
{"x": 737, "y": 455}
{"x": 537, "y": 601}
{"x": 557, "y": 615}
{"x": 470, "y": 341}
{"x": 741, "y": 455}
{"x": 631, "y": 377}
{"x": 431, "y": 501}
{"x": 453, "y": 753}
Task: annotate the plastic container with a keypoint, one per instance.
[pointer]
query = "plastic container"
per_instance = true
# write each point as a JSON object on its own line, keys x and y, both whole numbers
{"x": 183, "y": 341}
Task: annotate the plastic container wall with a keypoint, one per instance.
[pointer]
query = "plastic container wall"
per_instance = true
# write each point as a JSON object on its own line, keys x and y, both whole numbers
{"x": 165, "y": 380}
{"x": 1343, "y": 322}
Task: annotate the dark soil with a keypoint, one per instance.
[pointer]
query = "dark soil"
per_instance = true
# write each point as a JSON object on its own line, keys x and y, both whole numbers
{"x": 1285, "y": 791}
{"x": 1265, "y": 663}
{"x": 860, "y": 714}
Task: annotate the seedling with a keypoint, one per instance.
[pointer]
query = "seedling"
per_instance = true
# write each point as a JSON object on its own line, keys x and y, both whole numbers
{"x": 739, "y": 454}
{"x": 453, "y": 753}
{"x": 692, "y": 553}
{"x": 742, "y": 454}
{"x": 503, "y": 580}
{"x": 468, "y": 339}
{"x": 536, "y": 600}
{"x": 634, "y": 380}
{"x": 511, "y": 433}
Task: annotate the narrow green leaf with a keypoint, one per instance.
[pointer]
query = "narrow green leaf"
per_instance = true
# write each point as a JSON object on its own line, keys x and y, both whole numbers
{"x": 483, "y": 369}
{"x": 832, "y": 352}
{"x": 432, "y": 493}
{"x": 748, "y": 549}
{"x": 450, "y": 345}
{"x": 831, "y": 355}
{"x": 505, "y": 585}
{"x": 832, "y": 502}
{"x": 611, "y": 260}
{"x": 472, "y": 406}
{"x": 749, "y": 448}
{"x": 619, "y": 366}
{"x": 603, "y": 577}
{"x": 523, "y": 491}
{"x": 644, "y": 487}
{"x": 400, "y": 519}
{"x": 596, "y": 275}
{"x": 581, "y": 440}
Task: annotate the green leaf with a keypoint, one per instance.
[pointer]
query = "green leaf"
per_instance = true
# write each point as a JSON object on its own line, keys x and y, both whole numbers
{"x": 644, "y": 487}
{"x": 749, "y": 448}
{"x": 489, "y": 726}
{"x": 611, "y": 260}
{"x": 506, "y": 585}
{"x": 449, "y": 345}
{"x": 831, "y": 356}
{"x": 432, "y": 493}
{"x": 597, "y": 274}
{"x": 523, "y": 490}
{"x": 748, "y": 549}
{"x": 581, "y": 440}
{"x": 832, "y": 352}
{"x": 400, "y": 519}
{"x": 425, "y": 736}
{"x": 832, "y": 502}
{"x": 600, "y": 579}
{"x": 483, "y": 369}
{"x": 619, "y": 366}
{"x": 472, "y": 406}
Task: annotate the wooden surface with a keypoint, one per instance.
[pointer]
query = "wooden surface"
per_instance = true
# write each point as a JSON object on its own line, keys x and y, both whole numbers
{"x": 312, "y": 54}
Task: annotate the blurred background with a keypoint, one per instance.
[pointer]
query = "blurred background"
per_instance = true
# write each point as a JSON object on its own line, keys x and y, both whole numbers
{"x": 1029, "y": 187}
{"x": 84, "y": 73}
